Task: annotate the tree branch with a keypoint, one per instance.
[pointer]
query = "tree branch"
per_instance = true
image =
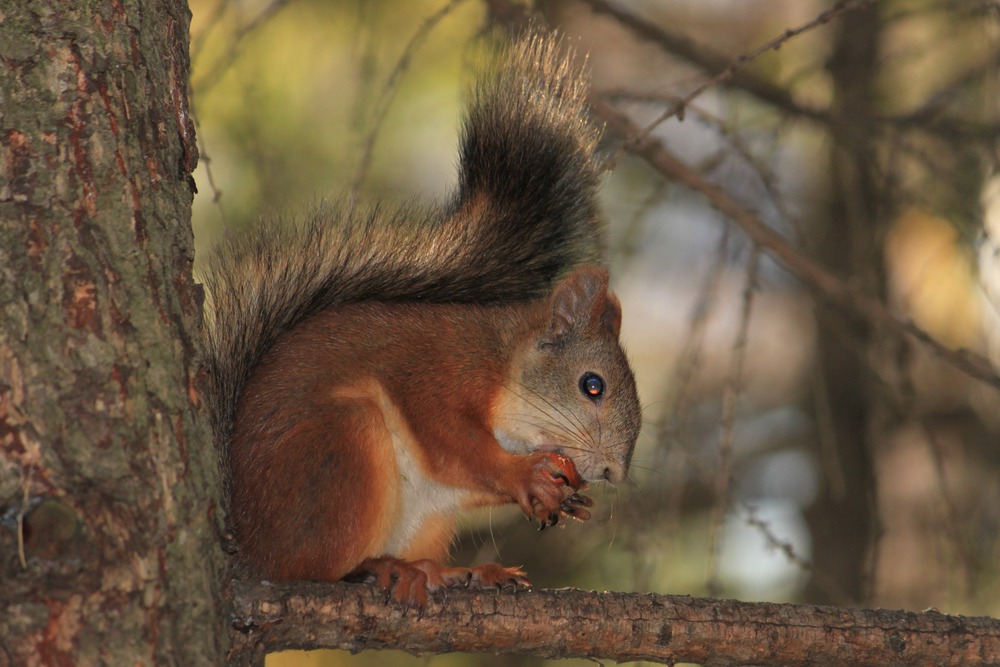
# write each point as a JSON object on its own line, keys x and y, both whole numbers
{"x": 615, "y": 626}
{"x": 818, "y": 278}
{"x": 730, "y": 71}
{"x": 725, "y": 69}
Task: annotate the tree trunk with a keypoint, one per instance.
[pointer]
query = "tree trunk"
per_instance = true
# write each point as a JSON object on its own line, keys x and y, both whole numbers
{"x": 108, "y": 479}
{"x": 843, "y": 520}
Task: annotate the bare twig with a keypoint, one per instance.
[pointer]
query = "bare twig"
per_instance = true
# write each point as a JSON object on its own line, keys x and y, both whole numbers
{"x": 633, "y": 229}
{"x": 827, "y": 285}
{"x": 207, "y": 81}
{"x": 673, "y": 422}
{"x": 787, "y": 548}
{"x": 714, "y": 61}
{"x": 211, "y": 21}
{"x": 730, "y": 71}
{"x": 389, "y": 93}
{"x": 952, "y": 518}
{"x": 206, "y": 160}
{"x": 930, "y": 109}
{"x": 821, "y": 579}
{"x": 730, "y": 398}
{"x": 765, "y": 174}
{"x": 690, "y": 356}
{"x": 707, "y": 59}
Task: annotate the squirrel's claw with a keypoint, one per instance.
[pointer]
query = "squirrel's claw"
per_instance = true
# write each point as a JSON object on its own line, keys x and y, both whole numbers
{"x": 550, "y": 489}
{"x": 577, "y": 513}
{"x": 551, "y": 520}
{"x": 574, "y": 507}
{"x": 493, "y": 575}
{"x": 562, "y": 476}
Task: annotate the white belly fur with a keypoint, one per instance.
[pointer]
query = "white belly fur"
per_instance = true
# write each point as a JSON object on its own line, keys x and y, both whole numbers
{"x": 419, "y": 496}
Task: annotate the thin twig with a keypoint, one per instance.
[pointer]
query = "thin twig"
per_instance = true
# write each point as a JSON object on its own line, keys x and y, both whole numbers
{"x": 212, "y": 21}
{"x": 788, "y": 550}
{"x": 206, "y": 161}
{"x": 953, "y": 523}
{"x": 673, "y": 422}
{"x": 730, "y": 399}
{"x": 767, "y": 177}
{"x": 708, "y": 60}
{"x": 690, "y": 357}
{"x": 208, "y": 81}
{"x": 774, "y": 94}
{"x": 634, "y": 227}
{"x": 833, "y": 289}
{"x": 730, "y": 72}
{"x": 384, "y": 102}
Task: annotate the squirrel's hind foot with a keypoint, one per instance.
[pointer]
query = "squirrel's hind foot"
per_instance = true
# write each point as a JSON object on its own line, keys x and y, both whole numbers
{"x": 408, "y": 582}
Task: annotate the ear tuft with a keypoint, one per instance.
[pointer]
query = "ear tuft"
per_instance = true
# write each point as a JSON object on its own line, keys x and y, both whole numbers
{"x": 611, "y": 318}
{"x": 580, "y": 302}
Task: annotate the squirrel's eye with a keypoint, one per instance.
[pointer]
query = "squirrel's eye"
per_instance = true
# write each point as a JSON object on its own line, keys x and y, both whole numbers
{"x": 592, "y": 385}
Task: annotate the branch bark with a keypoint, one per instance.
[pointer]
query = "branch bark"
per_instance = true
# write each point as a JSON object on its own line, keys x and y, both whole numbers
{"x": 616, "y": 626}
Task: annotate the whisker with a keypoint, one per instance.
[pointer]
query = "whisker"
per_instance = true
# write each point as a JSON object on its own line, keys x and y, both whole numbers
{"x": 647, "y": 469}
{"x": 614, "y": 526}
{"x": 578, "y": 426}
{"x": 574, "y": 427}
{"x": 493, "y": 539}
{"x": 545, "y": 427}
{"x": 648, "y": 425}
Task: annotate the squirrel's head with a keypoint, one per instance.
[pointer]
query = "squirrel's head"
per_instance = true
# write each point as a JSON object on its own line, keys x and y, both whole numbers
{"x": 571, "y": 388}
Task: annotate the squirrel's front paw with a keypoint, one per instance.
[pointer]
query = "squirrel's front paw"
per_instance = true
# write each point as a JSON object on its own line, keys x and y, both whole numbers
{"x": 550, "y": 490}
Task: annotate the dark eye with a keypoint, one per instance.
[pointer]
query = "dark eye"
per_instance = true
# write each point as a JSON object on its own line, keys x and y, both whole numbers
{"x": 592, "y": 385}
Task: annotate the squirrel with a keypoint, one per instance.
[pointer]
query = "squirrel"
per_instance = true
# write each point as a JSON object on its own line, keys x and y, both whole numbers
{"x": 373, "y": 372}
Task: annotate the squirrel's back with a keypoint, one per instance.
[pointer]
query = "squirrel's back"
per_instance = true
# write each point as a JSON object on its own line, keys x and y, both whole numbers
{"x": 525, "y": 213}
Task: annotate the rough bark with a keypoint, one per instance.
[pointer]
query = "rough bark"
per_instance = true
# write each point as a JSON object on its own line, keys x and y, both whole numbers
{"x": 616, "y": 626}
{"x": 109, "y": 549}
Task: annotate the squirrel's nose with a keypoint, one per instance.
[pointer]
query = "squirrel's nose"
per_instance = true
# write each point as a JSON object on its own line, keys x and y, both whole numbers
{"x": 614, "y": 472}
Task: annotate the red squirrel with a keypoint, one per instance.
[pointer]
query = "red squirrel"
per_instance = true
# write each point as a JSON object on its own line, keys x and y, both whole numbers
{"x": 374, "y": 372}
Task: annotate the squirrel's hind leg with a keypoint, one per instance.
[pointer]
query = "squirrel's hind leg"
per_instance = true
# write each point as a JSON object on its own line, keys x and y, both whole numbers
{"x": 320, "y": 496}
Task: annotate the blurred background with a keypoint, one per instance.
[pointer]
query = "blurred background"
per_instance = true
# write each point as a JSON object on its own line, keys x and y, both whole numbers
{"x": 790, "y": 452}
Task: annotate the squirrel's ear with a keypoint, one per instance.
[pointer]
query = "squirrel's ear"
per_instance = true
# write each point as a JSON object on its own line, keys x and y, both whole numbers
{"x": 579, "y": 301}
{"x": 611, "y": 318}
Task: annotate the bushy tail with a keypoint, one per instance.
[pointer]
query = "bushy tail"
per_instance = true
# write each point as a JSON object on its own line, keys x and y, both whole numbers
{"x": 525, "y": 213}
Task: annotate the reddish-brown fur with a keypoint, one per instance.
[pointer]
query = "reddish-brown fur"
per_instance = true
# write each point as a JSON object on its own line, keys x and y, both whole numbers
{"x": 315, "y": 475}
